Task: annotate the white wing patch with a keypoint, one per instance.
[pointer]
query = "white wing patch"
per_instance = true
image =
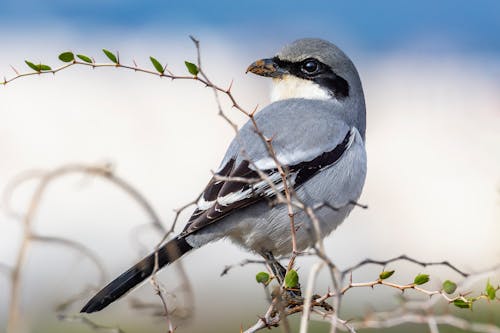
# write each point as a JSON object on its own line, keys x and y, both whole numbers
{"x": 203, "y": 204}
{"x": 352, "y": 136}
{"x": 263, "y": 186}
{"x": 285, "y": 159}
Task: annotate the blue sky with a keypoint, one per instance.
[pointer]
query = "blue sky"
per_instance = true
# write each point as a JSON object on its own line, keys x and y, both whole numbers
{"x": 463, "y": 26}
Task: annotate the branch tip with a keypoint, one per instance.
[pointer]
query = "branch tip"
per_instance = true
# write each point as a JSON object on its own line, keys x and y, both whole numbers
{"x": 194, "y": 40}
{"x": 14, "y": 69}
{"x": 228, "y": 91}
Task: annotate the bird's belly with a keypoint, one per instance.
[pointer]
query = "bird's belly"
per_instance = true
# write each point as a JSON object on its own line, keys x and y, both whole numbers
{"x": 275, "y": 235}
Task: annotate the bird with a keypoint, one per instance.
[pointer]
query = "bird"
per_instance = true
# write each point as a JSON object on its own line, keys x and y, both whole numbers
{"x": 317, "y": 122}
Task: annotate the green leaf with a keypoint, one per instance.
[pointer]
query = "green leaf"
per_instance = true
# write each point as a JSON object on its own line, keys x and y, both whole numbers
{"x": 84, "y": 58}
{"x": 421, "y": 279}
{"x": 39, "y": 67}
{"x": 490, "y": 291}
{"x": 449, "y": 287}
{"x": 32, "y": 66}
{"x": 460, "y": 303}
{"x": 385, "y": 275}
{"x": 192, "y": 68}
{"x": 262, "y": 277}
{"x": 67, "y": 57}
{"x": 110, "y": 56}
{"x": 291, "y": 279}
{"x": 157, "y": 65}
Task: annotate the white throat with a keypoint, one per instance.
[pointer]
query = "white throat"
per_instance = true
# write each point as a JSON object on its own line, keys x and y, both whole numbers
{"x": 290, "y": 86}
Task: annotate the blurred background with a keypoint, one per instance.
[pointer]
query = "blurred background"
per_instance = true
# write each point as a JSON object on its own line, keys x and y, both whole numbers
{"x": 431, "y": 74}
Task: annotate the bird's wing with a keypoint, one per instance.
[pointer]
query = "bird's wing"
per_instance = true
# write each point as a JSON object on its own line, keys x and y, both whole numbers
{"x": 237, "y": 184}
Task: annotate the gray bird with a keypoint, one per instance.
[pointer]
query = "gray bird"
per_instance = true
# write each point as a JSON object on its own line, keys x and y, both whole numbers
{"x": 317, "y": 121}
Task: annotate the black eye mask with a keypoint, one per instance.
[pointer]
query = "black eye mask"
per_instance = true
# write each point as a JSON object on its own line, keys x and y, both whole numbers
{"x": 318, "y": 72}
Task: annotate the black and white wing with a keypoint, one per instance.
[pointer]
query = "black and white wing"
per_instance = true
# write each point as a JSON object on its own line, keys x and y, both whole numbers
{"x": 238, "y": 185}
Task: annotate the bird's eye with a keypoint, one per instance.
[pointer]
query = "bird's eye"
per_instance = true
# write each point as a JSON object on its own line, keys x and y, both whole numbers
{"x": 310, "y": 66}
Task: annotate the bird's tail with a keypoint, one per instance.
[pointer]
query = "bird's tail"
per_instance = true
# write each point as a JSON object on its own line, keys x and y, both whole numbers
{"x": 167, "y": 254}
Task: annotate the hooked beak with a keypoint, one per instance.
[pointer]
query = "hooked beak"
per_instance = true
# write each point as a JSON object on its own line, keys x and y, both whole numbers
{"x": 267, "y": 68}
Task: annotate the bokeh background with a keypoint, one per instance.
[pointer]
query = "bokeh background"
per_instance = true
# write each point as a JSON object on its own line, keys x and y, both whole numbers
{"x": 431, "y": 74}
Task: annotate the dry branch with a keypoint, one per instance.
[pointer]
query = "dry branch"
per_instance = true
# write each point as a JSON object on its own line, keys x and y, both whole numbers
{"x": 44, "y": 180}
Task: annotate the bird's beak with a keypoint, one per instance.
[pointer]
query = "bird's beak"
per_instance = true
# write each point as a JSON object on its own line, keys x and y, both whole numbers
{"x": 266, "y": 67}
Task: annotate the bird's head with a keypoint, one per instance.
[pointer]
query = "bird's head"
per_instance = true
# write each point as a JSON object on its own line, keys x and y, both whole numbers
{"x": 310, "y": 68}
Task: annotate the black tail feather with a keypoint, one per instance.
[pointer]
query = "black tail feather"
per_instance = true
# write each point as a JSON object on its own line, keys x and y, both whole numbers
{"x": 167, "y": 254}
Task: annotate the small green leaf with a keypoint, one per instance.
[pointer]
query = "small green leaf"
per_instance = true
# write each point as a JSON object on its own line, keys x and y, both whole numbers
{"x": 84, "y": 58}
{"x": 157, "y": 65}
{"x": 192, "y": 68}
{"x": 262, "y": 277}
{"x": 110, "y": 56}
{"x": 44, "y": 67}
{"x": 32, "y": 66}
{"x": 463, "y": 304}
{"x": 421, "y": 279}
{"x": 291, "y": 279}
{"x": 67, "y": 57}
{"x": 449, "y": 287}
{"x": 385, "y": 275}
{"x": 490, "y": 291}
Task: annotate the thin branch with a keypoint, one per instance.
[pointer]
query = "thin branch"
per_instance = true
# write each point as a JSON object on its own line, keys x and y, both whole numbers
{"x": 313, "y": 273}
{"x": 63, "y": 306}
{"x": 245, "y": 262}
{"x": 184, "y": 277}
{"x": 89, "y": 323}
{"x": 27, "y": 220}
{"x": 444, "y": 320}
{"x": 159, "y": 292}
{"x": 404, "y": 258}
{"x": 76, "y": 246}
